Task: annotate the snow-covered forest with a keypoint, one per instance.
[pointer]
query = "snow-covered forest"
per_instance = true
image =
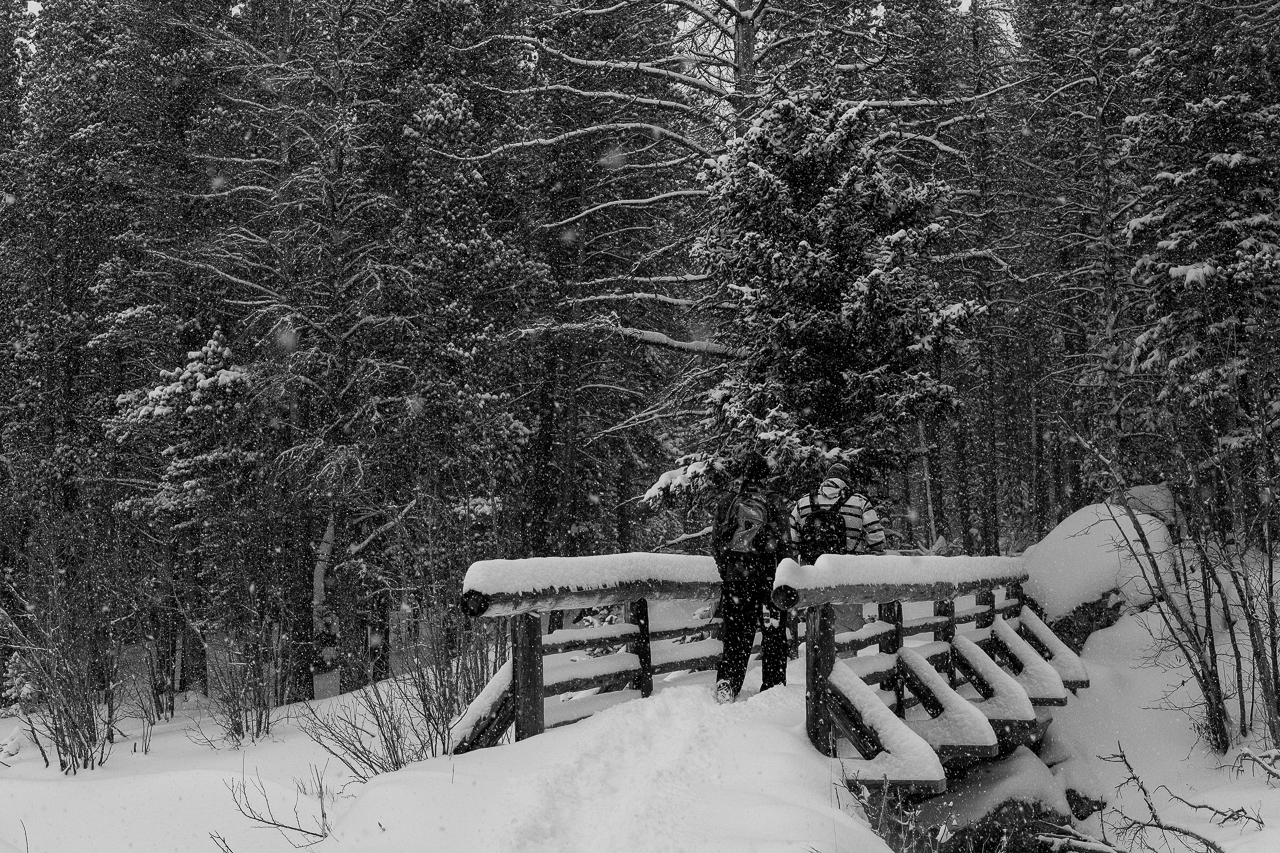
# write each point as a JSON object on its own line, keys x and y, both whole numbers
{"x": 308, "y": 305}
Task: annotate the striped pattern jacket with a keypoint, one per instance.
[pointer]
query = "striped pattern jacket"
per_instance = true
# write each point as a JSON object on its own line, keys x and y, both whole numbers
{"x": 861, "y": 524}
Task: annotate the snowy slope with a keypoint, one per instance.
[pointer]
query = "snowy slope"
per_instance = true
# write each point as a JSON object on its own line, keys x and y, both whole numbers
{"x": 672, "y": 773}
{"x": 1123, "y": 706}
{"x": 675, "y": 772}
{"x": 169, "y": 800}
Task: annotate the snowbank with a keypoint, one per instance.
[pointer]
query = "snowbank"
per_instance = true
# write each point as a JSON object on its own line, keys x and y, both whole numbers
{"x": 1090, "y": 554}
{"x": 674, "y": 772}
{"x": 1020, "y": 778}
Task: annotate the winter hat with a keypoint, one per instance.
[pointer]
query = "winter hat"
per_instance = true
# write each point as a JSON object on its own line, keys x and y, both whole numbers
{"x": 839, "y": 471}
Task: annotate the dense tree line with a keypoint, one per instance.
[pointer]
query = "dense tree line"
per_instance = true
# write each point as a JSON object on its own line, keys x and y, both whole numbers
{"x": 309, "y": 303}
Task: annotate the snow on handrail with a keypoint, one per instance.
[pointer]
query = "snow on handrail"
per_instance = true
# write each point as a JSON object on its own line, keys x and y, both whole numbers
{"x": 868, "y": 578}
{"x": 509, "y": 587}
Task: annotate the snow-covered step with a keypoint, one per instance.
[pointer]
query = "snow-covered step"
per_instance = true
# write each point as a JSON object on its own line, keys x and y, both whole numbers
{"x": 1041, "y": 681}
{"x": 572, "y": 639}
{"x": 882, "y": 750}
{"x": 924, "y": 625}
{"x": 1067, "y": 664}
{"x": 849, "y": 643}
{"x": 995, "y": 693}
{"x": 955, "y": 728}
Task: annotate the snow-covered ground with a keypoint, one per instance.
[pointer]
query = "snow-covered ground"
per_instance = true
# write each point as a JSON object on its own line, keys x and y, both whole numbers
{"x": 672, "y": 773}
{"x": 675, "y": 772}
{"x": 1123, "y": 706}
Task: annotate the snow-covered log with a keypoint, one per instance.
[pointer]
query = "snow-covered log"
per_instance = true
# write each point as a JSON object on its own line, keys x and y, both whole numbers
{"x": 487, "y": 717}
{"x": 507, "y": 587}
{"x": 900, "y": 757}
{"x": 867, "y": 578}
{"x": 955, "y": 728}
{"x": 1067, "y": 663}
{"x": 1041, "y": 681}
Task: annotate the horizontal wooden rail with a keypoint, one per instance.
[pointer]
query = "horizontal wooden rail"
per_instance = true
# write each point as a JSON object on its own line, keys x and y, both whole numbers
{"x": 477, "y": 603}
{"x": 539, "y": 584}
{"x": 605, "y": 636}
{"x": 875, "y": 579}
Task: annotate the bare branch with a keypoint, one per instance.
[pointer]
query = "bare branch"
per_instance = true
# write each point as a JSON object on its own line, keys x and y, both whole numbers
{"x": 656, "y": 131}
{"x": 645, "y": 68}
{"x": 647, "y": 336}
{"x": 625, "y": 202}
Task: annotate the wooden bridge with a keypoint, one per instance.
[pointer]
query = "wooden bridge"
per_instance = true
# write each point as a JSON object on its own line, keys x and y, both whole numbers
{"x": 901, "y": 714}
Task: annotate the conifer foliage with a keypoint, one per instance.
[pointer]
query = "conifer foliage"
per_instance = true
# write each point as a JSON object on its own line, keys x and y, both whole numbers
{"x": 820, "y": 241}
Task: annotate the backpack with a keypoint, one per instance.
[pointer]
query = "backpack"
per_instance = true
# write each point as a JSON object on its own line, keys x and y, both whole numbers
{"x": 823, "y": 529}
{"x": 748, "y": 525}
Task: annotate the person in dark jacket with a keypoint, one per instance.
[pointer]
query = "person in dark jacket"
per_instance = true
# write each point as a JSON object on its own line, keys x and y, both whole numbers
{"x": 749, "y": 536}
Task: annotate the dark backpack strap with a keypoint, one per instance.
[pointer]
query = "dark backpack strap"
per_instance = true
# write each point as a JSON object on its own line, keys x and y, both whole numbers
{"x": 847, "y": 495}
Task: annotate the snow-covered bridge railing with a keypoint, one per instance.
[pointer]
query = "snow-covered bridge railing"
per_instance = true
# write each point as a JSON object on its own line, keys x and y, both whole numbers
{"x": 946, "y": 728}
{"x": 522, "y": 589}
{"x": 899, "y": 709}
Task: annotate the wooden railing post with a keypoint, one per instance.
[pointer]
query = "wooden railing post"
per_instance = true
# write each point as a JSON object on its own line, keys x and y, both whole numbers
{"x": 985, "y": 598}
{"x": 820, "y": 657}
{"x": 947, "y": 633}
{"x": 526, "y": 673}
{"x": 1014, "y": 590}
{"x": 638, "y": 615}
{"x": 891, "y": 612}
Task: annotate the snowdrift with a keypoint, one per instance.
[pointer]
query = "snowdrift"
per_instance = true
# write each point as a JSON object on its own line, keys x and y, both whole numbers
{"x": 1093, "y": 552}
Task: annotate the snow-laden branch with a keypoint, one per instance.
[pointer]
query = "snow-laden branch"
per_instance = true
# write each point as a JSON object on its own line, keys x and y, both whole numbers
{"x": 593, "y": 94}
{"x": 686, "y": 537}
{"x": 634, "y": 297}
{"x": 915, "y": 103}
{"x": 916, "y": 137}
{"x": 625, "y": 202}
{"x": 647, "y": 69}
{"x": 356, "y": 548}
{"x": 688, "y": 278}
{"x": 647, "y": 336}
{"x": 706, "y": 16}
{"x": 654, "y": 130}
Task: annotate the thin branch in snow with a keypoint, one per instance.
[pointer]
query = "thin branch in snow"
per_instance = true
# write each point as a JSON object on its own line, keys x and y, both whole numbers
{"x": 625, "y": 202}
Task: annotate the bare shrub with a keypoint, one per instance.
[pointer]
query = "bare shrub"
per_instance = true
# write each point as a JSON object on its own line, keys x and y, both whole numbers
{"x": 895, "y": 817}
{"x": 1152, "y": 833}
{"x": 251, "y": 800}
{"x": 74, "y": 681}
{"x": 407, "y": 718}
{"x": 241, "y": 691}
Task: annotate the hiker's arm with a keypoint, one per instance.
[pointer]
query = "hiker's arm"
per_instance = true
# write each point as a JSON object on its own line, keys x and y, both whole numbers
{"x": 873, "y": 530}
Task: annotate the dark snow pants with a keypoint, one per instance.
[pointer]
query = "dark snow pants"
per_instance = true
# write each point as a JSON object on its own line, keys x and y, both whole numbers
{"x": 746, "y": 605}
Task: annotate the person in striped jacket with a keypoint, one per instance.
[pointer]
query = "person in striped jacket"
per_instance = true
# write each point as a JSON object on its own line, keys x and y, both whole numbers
{"x": 835, "y": 519}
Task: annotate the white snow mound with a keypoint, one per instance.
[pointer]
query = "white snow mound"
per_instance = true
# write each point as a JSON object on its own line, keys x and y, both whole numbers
{"x": 1090, "y": 554}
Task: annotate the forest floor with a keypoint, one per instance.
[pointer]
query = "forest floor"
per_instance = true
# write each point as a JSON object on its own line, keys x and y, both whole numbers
{"x": 672, "y": 773}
